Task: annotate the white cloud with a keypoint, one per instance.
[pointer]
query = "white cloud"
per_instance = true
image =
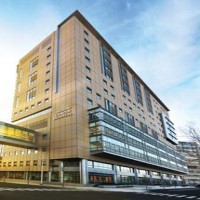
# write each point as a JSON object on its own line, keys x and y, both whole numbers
{"x": 166, "y": 56}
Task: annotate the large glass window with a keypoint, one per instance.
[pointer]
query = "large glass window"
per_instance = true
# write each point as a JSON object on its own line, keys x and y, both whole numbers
{"x": 124, "y": 78}
{"x": 129, "y": 118}
{"x": 102, "y": 165}
{"x": 16, "y": 102}
{"x": 32, "y": 78}
{"x": 143, "y": 127}
{"x": 106, "y": 63}
{"x": 33, "y": 64}
{"x": 31, "y": 95}
{"x": 148, "y": 102}
{"x": 21, "y": 73}
{"x": 18, "y": 87}
{"x": 110, "y": 107}
{"x": 138, "y": 92}
{"x": 100, "y": 178}
{"x": 127, "y": 179}
{"x": 71, "y": 177}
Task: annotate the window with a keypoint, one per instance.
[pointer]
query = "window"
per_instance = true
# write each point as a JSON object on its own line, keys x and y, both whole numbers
{"x": 20, "y": 73}
{"x": 39, "y": 103}
{"x": 86, "y": 41}
{"x": 148, "y": 102}
{"x": 124, "y": 78}
{"x": 88, "y": 79}
{"x": 46, "y": 100}
{"x": 86, "y": 33}
{"x": 105, "y": 82}
{"x": 9, "y": 164}
{"x": 98, "y": 96}
{"x": 120, "y": 110}
{"x": 26, "y": 109}
{"x": 47, "y": 91}
{"x": 111, "y": 87}
{"x": 138, "y": 92}
{"x": 87, "y": 50}
{"x": 31, "y": 95}
{"x": 87, "y": 59}
{"x": 47, "y": 81}
{"x": 18, "y": 87}
{"x": 21, "y": 163}
{"x": 33, "y": 64}
{"x": 22, "y": 152}
{"x": 143, "y": 127}
{"x": 15, "y": 164}
{"x": 32, "y": 106}
{"x": 113, "y": 96}
{"x": 154, "y": 134}
{"x": 105, "y": 91}
{"x": 44, "y": 136}
{"x": 32, "y": 78}
{"x": 89, "y": 90}
{"x": 87, "y": 69}
{"x": 48, "y": 64}
{"x": 35, "y": 163}
{"x": 44, "y": 148}
{"x": 110, "y": 107}
{"x": 48, "y": 56}
{"x": 47, "y": 72}
{"x": 89, "y": 102}
{"x": 16, "y": 102}
{"x": 106, "y": 64}
{"x": 129, "y": 118}
{"x": 49, "y": 48}
{"x": 28, "y": 163}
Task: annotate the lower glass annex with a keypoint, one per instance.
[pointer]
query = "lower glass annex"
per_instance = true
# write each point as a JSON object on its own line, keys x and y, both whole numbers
{"x": 112, "y": 135}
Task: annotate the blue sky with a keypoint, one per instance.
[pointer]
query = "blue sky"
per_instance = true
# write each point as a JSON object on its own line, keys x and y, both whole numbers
{"x": 160, "y": 39}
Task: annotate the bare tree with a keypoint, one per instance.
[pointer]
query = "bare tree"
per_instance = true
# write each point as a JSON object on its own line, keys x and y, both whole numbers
{"x": 192, "y": 132}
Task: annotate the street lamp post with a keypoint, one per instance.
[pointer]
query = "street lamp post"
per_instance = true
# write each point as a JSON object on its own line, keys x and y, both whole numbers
{"x": 42, "y": 170}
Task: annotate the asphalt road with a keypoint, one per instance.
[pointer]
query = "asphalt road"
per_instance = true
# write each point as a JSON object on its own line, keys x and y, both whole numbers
{"x": 28, "y": 192}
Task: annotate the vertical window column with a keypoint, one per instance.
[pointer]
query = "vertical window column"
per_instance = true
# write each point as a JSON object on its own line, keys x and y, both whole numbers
{"x": 106, "y": 63}
{"x": 124, "y": 78}
{"x": 138, "y": 92}
{"x": 148, "y": 102}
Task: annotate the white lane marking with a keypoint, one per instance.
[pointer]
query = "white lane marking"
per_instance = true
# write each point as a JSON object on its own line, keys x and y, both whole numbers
{"x": 182, "y": 196}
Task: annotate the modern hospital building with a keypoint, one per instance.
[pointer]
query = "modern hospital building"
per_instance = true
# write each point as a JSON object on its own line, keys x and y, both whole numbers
{"x": 96, "y": 120}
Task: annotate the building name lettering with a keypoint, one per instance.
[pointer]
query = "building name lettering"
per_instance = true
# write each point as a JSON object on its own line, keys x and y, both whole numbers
{"x": 63, "y": 113}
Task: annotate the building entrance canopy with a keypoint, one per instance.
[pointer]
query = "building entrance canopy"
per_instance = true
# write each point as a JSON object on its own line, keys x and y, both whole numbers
{"x": 17, "y": 136}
